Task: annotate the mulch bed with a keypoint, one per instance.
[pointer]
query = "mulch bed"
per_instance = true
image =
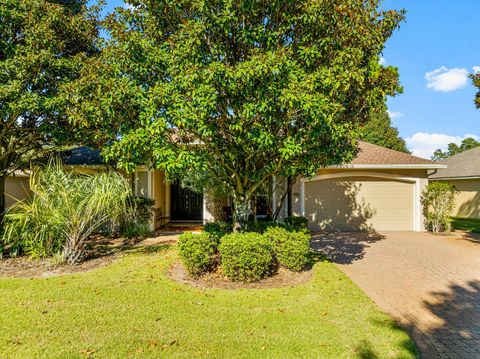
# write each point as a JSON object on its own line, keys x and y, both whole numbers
{"x": 25, "y": 267}
{"x": 102, "y": 251}
{"x": 283, "y": 278}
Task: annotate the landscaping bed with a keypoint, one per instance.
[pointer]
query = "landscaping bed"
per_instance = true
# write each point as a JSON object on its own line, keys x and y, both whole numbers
{"x": 132, "y": 308}
{"x": 282, "y": 278}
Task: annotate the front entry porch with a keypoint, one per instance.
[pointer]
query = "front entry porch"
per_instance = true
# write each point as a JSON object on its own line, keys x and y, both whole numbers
{"x": 173, "y": 203}
{"x": 186, "y": 205}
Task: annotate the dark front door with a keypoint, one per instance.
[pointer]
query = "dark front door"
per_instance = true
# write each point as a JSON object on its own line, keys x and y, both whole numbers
{"x": 186, "y": 205}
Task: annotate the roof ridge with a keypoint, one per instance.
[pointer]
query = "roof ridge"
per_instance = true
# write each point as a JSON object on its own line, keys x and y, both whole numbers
{"x": 386, "y": 149}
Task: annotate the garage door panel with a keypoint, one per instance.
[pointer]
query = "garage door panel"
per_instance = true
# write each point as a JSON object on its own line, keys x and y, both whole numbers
{"x": 359, "y": 204}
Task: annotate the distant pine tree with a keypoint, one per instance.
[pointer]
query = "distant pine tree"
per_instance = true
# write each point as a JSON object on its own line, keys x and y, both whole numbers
{"x": 379, "y": 131}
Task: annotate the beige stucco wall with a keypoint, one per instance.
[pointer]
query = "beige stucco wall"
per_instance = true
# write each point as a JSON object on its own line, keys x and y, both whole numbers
{"x": 467, "y": 200}
{"x": 16, "y": 189}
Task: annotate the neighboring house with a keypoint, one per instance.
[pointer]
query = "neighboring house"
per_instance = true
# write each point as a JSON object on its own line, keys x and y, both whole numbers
{"x": 463, "y": 171}
{"x": 379, "y": 190}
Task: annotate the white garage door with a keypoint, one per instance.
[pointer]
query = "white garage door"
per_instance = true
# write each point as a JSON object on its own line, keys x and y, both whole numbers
{"x": 359, "y": 203}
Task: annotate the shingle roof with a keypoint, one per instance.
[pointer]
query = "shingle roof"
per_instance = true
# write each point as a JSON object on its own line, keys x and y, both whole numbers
{"x": 370, "y": 154}
{"x": 463, "y": 165}
{"x": 82, "y": 156}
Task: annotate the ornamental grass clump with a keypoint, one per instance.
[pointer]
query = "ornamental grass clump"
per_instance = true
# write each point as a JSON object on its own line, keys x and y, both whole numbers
{"x": 245, "y": 256}
{"x": 63, "y": 211}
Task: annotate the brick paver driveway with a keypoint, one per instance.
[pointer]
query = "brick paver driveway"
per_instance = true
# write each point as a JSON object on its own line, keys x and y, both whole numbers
{"x": 429, "y": 284}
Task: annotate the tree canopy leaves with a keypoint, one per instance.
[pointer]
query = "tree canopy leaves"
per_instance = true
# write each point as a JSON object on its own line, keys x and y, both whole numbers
{"x": 476, "y": 82}
{"x": 380, "y": 131}
{"x": 42, "y": 46}
{"x": 243, "y": 89}
{"x": 453, "y": 149}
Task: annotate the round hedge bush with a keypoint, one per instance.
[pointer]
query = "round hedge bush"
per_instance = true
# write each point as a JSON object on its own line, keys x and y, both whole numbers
{"x": 218, "y": 229}
{"x": 198, "y": 252}
{"x": 290, "y": 248}
{"x": 245, "y": 256}
{"x": 296, "y": 223}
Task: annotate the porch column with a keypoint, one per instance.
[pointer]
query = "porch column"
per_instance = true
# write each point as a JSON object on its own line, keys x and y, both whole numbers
{"x": 150, "y": 186}
{"x": 302, "y": 197}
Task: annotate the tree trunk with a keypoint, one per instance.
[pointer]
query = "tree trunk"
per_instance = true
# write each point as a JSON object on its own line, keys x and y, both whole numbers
{"x": 241, "y": 212}
{"x": 74, "y": 251}
{"x": 2, "y": 199}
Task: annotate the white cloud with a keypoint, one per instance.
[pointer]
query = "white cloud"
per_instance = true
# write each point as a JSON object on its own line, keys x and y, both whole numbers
{"x": 444, "y": 79}
{"x": 394, "y": 114}
{"x": 476, "y": 69}
{"x": 423, "y": 144}
{"x": 382, "y": 61}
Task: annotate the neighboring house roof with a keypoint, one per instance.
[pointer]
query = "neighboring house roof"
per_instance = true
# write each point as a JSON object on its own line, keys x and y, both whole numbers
{"x": 82, "y": 156}
{"x": 462, "y": 165}
{"x": 373, "y": 156}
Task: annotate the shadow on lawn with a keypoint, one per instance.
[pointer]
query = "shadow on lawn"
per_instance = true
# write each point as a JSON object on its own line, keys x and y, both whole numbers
{"x": 105, "y": 247}
{"x": 366, "y": 350}
{"x": 344, "y": 247}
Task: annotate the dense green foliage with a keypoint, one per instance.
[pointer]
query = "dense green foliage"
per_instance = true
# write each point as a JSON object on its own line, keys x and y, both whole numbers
{"x": 454, "y": 149}
{"x": 132, "y": 308}
{"x": 217, "y": 230}
{"x": 290, "y": 248}
{"x": 241, "y": 90}
{"x": 296, "y": 223}
{"x": 198, "y": 252}
{"x": 379, "y": 130}
{"x": 466, "y": 224}
{"x": 476, "y": 82}
{"x": 438, "y": 201}
{"x": 136, "y": 221}
{"x": 245, "y": 256}
{"x": 43, "y": 45}
{"x": 63, "y": 211}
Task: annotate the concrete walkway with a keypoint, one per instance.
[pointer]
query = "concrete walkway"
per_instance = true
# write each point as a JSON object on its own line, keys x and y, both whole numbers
{"x": 429, "y": 284}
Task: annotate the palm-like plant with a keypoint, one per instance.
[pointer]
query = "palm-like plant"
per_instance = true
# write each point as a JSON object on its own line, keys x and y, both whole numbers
{"x": 65, "y": 209}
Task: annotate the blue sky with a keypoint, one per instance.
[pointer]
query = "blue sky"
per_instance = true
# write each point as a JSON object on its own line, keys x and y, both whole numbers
{"x": 434, "y": 50}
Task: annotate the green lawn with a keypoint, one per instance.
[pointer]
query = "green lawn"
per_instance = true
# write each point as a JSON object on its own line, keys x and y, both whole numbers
{"x": 131, "y": 308}
{"x": 467, "y": 224}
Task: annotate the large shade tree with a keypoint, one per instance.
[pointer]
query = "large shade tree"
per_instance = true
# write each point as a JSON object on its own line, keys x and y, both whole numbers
{"x": 42, "y": 46}
{"x": 240, "y": 89}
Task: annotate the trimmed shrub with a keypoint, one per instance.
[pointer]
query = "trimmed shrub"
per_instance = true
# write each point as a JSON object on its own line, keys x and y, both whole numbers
{"x": 438, "y": 201}
{"x": 198, "y": 252}
{"x": 296, "y": 223}
{"x": 259, "y": 226}
{"x": 290, "y": 248}
{"x": 135, "y": 221}
{"x": 217, "y": 230}
{"x": 245, "y": 256}
{"x": 136, "y": 230}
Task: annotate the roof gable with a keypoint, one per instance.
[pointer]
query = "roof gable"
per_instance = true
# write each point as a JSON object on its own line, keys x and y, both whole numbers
{"x": 462, "y": 165}
{"x": 370, "y": 154}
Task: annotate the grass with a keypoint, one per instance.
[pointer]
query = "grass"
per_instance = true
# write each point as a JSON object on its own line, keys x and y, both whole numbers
{"x": 132, "y": 309}
{"x": 467, "y": 224}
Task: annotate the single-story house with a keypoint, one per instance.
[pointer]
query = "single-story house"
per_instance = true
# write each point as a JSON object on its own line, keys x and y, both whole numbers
{"x": 379, "y": 190}
{"x": 462, "y": 171}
